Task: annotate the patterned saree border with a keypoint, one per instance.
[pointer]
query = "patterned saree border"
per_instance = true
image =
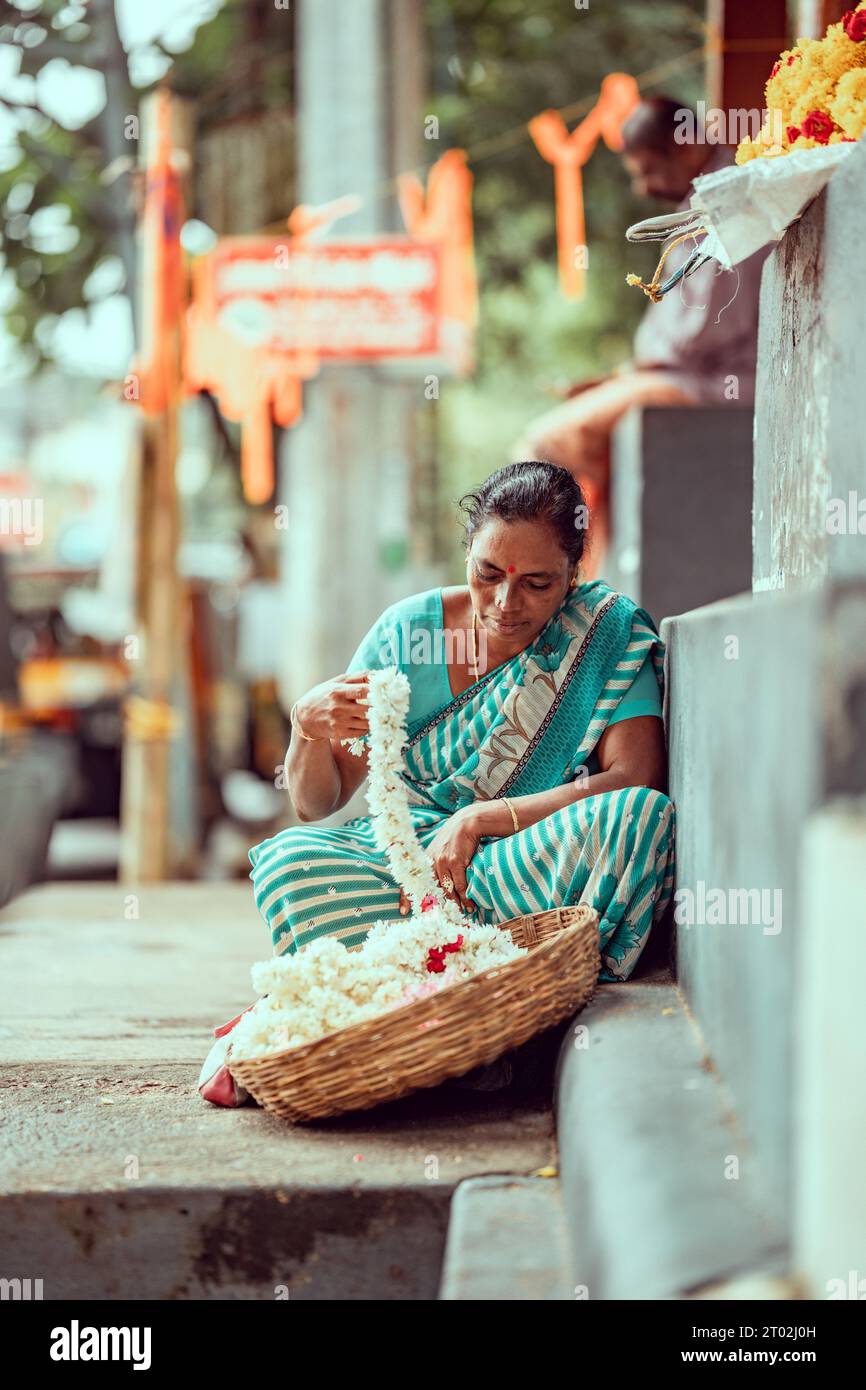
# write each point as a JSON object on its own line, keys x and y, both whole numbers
{"x": 457, "y": 702}
{"x": 557, "y": 700}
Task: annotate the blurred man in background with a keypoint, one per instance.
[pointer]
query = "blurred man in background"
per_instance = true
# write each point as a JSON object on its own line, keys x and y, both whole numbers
{"x": 697, "y": 345}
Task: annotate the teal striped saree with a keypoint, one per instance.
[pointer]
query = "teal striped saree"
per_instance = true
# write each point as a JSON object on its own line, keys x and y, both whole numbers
{"x": 530, "y": 724}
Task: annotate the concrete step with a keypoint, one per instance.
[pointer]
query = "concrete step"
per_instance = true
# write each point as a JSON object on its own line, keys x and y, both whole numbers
{"x": 118, "y": 1181}
{"x": 661, "y": 1192}
{"x": 506, "y": 1242}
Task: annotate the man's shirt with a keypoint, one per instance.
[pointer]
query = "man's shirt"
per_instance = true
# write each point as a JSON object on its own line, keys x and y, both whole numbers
{"x": 704, "y": 332}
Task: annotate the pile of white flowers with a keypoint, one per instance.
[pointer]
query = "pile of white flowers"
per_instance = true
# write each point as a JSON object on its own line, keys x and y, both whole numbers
{"x": 326, "y": 987}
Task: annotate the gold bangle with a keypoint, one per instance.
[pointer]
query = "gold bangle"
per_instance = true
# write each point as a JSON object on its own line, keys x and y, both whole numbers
{"x": 513, "y": 814}
{"x": 296, "y": 724}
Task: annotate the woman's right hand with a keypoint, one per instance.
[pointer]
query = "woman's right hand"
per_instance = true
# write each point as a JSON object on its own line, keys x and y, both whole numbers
{"x": 335, "y": 709}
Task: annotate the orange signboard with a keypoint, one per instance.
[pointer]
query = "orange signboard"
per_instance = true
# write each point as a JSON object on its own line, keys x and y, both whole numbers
{"x": 345, "y": 300}
{"x": 265, "y": 312}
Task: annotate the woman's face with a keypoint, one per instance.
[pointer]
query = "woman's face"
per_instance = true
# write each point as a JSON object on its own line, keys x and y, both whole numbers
{"x": 518, "y": 576}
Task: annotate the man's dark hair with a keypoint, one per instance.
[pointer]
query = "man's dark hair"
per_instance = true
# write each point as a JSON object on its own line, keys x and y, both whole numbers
{"x": 651, "y": 125}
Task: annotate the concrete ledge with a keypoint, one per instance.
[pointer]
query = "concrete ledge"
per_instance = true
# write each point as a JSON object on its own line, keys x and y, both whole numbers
{"x": 506, "y": 1242}
{"x": 658, "y": 1184}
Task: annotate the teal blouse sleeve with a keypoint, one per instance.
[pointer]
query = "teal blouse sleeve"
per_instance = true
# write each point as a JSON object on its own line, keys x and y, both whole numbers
{"x": 405, "y": 637}
{"x": 644, "y": 696}
{"x": 374, "y": 651}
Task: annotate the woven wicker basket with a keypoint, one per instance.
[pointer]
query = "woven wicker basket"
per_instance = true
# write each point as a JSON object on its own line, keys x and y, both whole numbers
{"x": 446, "y": 1035}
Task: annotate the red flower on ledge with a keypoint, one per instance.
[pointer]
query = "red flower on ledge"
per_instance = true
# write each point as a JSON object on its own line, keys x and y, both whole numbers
{"x": 854, "y": 24}
{"x": 436, "y": 955}
{"x": 818, "y": 126}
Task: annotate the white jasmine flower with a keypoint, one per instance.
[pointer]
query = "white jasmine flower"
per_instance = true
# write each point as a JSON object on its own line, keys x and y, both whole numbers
{"x": 324, "y": 987}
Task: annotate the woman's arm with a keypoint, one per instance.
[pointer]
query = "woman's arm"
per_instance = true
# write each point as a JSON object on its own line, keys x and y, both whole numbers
{"x": 322, "y": 775}
{"x": 631, "y": 753}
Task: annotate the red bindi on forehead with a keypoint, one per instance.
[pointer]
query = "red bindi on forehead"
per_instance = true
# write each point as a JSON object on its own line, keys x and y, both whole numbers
{"x": 511, "y": 569}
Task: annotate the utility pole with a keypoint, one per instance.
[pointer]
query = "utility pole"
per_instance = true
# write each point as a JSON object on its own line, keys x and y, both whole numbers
{"x": 347, "y": 470}
{"x": 148, "y": 849}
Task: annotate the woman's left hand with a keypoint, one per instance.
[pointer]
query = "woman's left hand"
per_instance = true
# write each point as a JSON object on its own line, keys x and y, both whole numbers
{"x": 451, "y": 851}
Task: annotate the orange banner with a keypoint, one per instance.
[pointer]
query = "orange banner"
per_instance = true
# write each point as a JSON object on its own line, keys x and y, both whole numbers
{"x": 254, "y": 386}
{"x": 442, "y": 215}
{"x": 568, "y": 152}
{"x": 266, "y": 311}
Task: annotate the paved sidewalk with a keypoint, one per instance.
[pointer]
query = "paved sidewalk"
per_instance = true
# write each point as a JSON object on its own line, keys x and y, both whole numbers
{"x": 119, "y": 1181}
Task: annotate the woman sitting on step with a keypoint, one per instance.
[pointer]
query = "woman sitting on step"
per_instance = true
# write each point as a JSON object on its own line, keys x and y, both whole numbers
{"x": 535, "y": 756}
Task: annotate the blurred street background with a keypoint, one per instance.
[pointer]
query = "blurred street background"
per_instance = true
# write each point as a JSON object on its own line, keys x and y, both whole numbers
{"x": 157, "y": 615}
{"x": 279, "y": 280}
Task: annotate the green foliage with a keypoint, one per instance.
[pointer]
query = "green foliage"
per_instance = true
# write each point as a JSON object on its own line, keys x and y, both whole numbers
{"x": 239, "y": 60}
{"x": 58, "y": 219}
{"x": 494, "y": 65}
{"x": 55, "y": 171}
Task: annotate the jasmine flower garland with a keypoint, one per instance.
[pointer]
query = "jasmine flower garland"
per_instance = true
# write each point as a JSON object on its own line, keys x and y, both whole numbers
{"x": 386, "y": 796}
{"x": 325, "y": 987}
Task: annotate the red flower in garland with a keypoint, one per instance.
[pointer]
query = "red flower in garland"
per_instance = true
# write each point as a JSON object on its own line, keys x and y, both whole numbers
{"x": 792, "y": 133}
{"x": 818, "y": 126}
{"x": 854, "y": 24}
{"x": 775, "y": 68}
{"x": 428, "y": 901}
{"x": 792, "y": 57}
{"x": 436, "y": 955}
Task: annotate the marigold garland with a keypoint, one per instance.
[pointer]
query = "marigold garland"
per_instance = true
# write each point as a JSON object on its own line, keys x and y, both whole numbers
{"x": 816, "y": 93}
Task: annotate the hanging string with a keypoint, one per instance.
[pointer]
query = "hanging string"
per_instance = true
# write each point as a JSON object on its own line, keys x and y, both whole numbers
{"x": 736, "y": 268}
{"x": 651, "y": 287}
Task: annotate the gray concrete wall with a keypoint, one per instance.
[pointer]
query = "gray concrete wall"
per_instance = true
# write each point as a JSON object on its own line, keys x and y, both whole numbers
{"x": 830, "y": 1221}
{"x": 682, "y": 506}
{"x": 766, "y": 718}
{"x": 743, "y": 709}
{"x": 810, "y": 443}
